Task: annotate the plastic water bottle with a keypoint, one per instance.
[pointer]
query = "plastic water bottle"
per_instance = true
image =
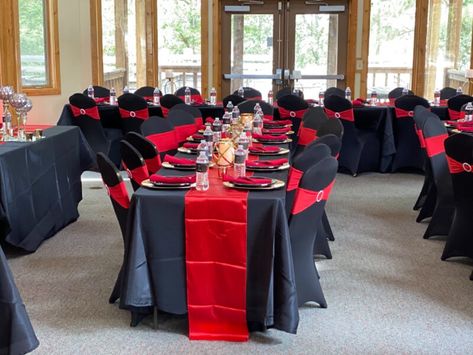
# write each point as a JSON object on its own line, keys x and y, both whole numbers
{"x": 348, "y": 94}
{"x": 244, "y": 141}
{"x": 405, "y": 91}
{"x": 90, "y": 92}
{"x": 257, "y": 124}
{"x": 126, "y": 90}
{"x": 437, "y": 97}
{"x": 7, "y": 127}
{"x": 469, "y": 111}
{"x": 156, "y": 96}
{"x": 113, "y": 97}
{"x": 239, "y": 166}
{"x": 247, "y": 131}
{"x": 459, "y": 91}
{"x": 226, "y": 121}
{"x": 241, "y": 92}
{"x": 217, "y": 130}
{"x": 213, "y": 97}
{"x": 187, "y": 96}
{"x": 321, "y": 98}
{"x": 203, "y": 147}
{"x": 208, "y": 137}
{"x": 202, "y": 172}
{"x": 256, "y": 109}
{"x": 235, "y": 113}
{"x": 270, "y": 97}
{"x": 374, "y": 98}
{"x": 229, "y": 106}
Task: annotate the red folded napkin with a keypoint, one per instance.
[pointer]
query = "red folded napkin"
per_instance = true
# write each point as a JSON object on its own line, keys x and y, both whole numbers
{"x": 189, "y": 145}
{"x": 276, "y": 130}
{"x": 268, "y": 137}
{"x": 263, "y": 149}
{"x": 358, "y": 103}
{"x": 181, "y": 161}
{"x": 101, "y": 99}
{"x": 198, "y": 136}
{"x": 264, "y": 163}
{"x": 276, "y": 123}
{"x": 464, "y": 128}
{"x": 172, "y": 179}
{"x": 245, "y": 180}
{"x": 209, "y": 120}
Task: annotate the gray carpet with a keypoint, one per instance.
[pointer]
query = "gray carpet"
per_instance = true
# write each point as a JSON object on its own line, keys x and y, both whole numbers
{"x": 387, "y": 290}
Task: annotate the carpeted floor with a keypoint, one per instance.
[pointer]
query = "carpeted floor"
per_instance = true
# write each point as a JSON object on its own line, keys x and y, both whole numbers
{"x": 386, "y": 288}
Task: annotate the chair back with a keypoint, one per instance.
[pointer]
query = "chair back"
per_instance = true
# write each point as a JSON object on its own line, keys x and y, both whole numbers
{"x": 447, "y": 93}
{"x": 459, "y": 151}
{"x": 248, "y": 106}
{"x": 196, "y": 97}
{"x": 235, "y": 99}
{"x": 249, "y": 94}
{"x": 183, "y": 123}
{"x": 334, "y": 91}
{"x": 195, "y": 112}
{"x": 134, "y": 164}
{"x": 396, "y": 93}
{"x": 455, "y": 105}
{"x": 405, "y": 105}
{"x": 339, "y": 107}
{"x": 168, "y": 101}
{"x": 162, "y": 134}
{"x": 292, "y": 107}
{"x": 284, "y": 92}
{"x": 147, "y": 92}
{"x": 334, "y": 126}
{"x": 147, "y": 150}
{"x": 312, "y": 120}
{"x": 133, "y": 112}
{"x": 116, "y": 189}
{"x": 99, "y": 91}
{"x": 331, "y": 141}
{"x": 87, "y": 118}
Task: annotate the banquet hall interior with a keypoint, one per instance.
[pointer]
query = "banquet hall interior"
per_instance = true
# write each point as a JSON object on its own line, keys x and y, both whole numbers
{"x": 236, "y": 176}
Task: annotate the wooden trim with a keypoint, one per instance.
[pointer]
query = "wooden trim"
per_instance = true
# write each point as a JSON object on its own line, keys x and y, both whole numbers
{"x": 151, "y": 43}
{"x": 420, "y": 42}
{"x": 217, "y": 48}
{"x": 9, "y": 43}
{"x": 204, "y": 47}
{"x": 351, "y": 43}
{"x": 96, "y": 41}
{"x": 365, "y": 47}
{"x": 471, "y": 63}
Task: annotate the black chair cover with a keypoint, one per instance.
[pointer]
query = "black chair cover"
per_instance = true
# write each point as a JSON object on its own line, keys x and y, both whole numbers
{"x": 249, "y": 105}
{"x": 312, "y": 121}
{"x": 332, "y": 126}
{"x": 447, "y": 93}
{"x": 168, "y": 101}
{"x": 162, "y": 134}
{"x": 195, "y": 112}
{"x": 249, "y": 93}
{"x": 99, "y": 91}
{"x": 334, "y": 91}
{"x": 147, "y": 150}
{"x": 134, "y": 164}
{"x": 397, "y": 93}
{"x": 235, "y": 99}
{"x": 294, "y": 104}
{"x": 183, "y": 123}
{"x": 132, "y": 102}
{"x": 456, "y": 103}
{"x": 147, "y": 92}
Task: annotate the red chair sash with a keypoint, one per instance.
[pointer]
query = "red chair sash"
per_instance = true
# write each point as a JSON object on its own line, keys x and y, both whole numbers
{"x": 137, "y": 174}
{"x": 400, "y": 113}
{"x": 199, "y": 122}
{"x": 306, "y": 135}
{"x": 119, "y": 194}
{"x": 435, "y": 145}
{"x": 420, "y": 135}
{"x": 456, "y": 115}
{"x": 284, "y": 113}
{"x": 153, "y": 164}
{"x": 259, "y": 98}
{"x": 294, "y": 178}
{"x": 141, "y": 114}
{"x": 165, "y": 111}
{"x": 347, "y": 115}
{"x": 196, "y": 99}
{"x": 184, "y": 131}
{"x": 92, "y": 112}
{"x": 392, "y": 101}
{"x": 148, "y": 98}
{"x": 306, "y": 198}
{"x": 164, "y": 141}
{"x": 268, "y": 117}
{"x": 457, "y": 167}
{"x": 443, "y": 102}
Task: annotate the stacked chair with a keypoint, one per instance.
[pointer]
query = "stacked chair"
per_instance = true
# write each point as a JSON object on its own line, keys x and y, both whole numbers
{"x": 168, "y": 101}
{"x": 459, "y": 150}
{"x": 305, "y": 217}
{"x": 196, "y": 97}
{"x": 409, "y": 153}
{"x": 133, "y": 112}
{"x": 434, "y": 135}
{"x": 354, "y": 139}
{"x": 147, "y": 150}
{"x": 455, "y": 105}
{"x": 134, "y": 164}
{"x": 86, "y": 117}
{"x": 249, "y": 94}
{"x": 183, "y": 123}
{"x": 162, "y": 134}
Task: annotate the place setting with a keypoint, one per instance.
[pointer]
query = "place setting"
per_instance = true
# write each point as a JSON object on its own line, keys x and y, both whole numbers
{"x": 262, "y": 150}
{"x": 160, "y": 182}
{"x": 252, "y": 183}
{"x": 271, "y": 139}
{"x": 267, "y": 165}
{"x": 188, "y": 148}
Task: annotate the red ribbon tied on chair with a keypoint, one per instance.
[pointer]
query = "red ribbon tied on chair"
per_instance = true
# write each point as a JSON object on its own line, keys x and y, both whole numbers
{"x": 294, "y": 178}
{"x": 456, "y": 167}
{"x": 92, "y": 112}
{"x": 306, "y": 135}
{"x": 435, "y": 145}
{"x": 153, "y": 164}
{"x": 284, "y": 113}
{"x": 305, "y": 198}
{"x": 119, "y": 194}
{"x": 456, "y": 115}
{"x": 141, "y": 114}
{"x": 137, "y": 174}
{"x": 420, "y": 135}
{"x": 184, "y": 131}
{"x": 347, "y": 115}
{"x": 400, "y": 113}
{"x": 164, "y": 141}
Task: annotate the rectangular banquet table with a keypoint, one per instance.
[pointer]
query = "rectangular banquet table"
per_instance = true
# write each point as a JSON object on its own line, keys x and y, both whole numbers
{"x": 154, "y": 265}
{"x": 40, "y": 185}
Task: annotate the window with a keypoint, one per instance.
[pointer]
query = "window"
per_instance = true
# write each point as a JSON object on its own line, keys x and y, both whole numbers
{"x": 391, "y": 49}
{"x": 39, "y": 54}
{"x": 448, "y": 52}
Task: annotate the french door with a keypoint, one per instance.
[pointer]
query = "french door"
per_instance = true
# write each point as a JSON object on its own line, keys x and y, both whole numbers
{"x": 271, "y": 44}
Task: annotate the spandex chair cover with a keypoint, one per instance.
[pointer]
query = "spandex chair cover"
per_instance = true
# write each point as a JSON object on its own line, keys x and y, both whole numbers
{"x": 162, "y": 134}
{"x": 292, "y": 108}
{"x": 195, "y": 112}
{"x": 249, "y": 94}
{"x": 396, "y": 93}
{"x": 235, "y": 99}
{"x": 196, "y": 97}
{"x": 312, "y": 120}
{"x": 183, "y": 123}
{"x": 134, "y": 164}
{"x": 133, "y": 111}
{"x": 455, "y": 105}
{"x": 147, "y": 92}
{"x": 147, "y": 150}
{"x": 99, "y": 91}
{"x": 334, "y": 91}
{"x": 168, "y": 101}
{"x": 249, "y": 105}
{"x": 447, "y": 93}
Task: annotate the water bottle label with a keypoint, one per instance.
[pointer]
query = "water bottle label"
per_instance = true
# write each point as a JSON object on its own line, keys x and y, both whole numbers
{"x": 244, "y": 145}
{"x": 202, "y": 167}
{"x": 217, "y": 128}
{"x": 240, "y": 159}
{"x": 208, "y": 137}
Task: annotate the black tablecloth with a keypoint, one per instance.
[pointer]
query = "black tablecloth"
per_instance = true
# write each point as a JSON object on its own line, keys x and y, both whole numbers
{"x": 154, "y": 263}
{"x": 40, "y": 185}
{"x": 16, "y": 333}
